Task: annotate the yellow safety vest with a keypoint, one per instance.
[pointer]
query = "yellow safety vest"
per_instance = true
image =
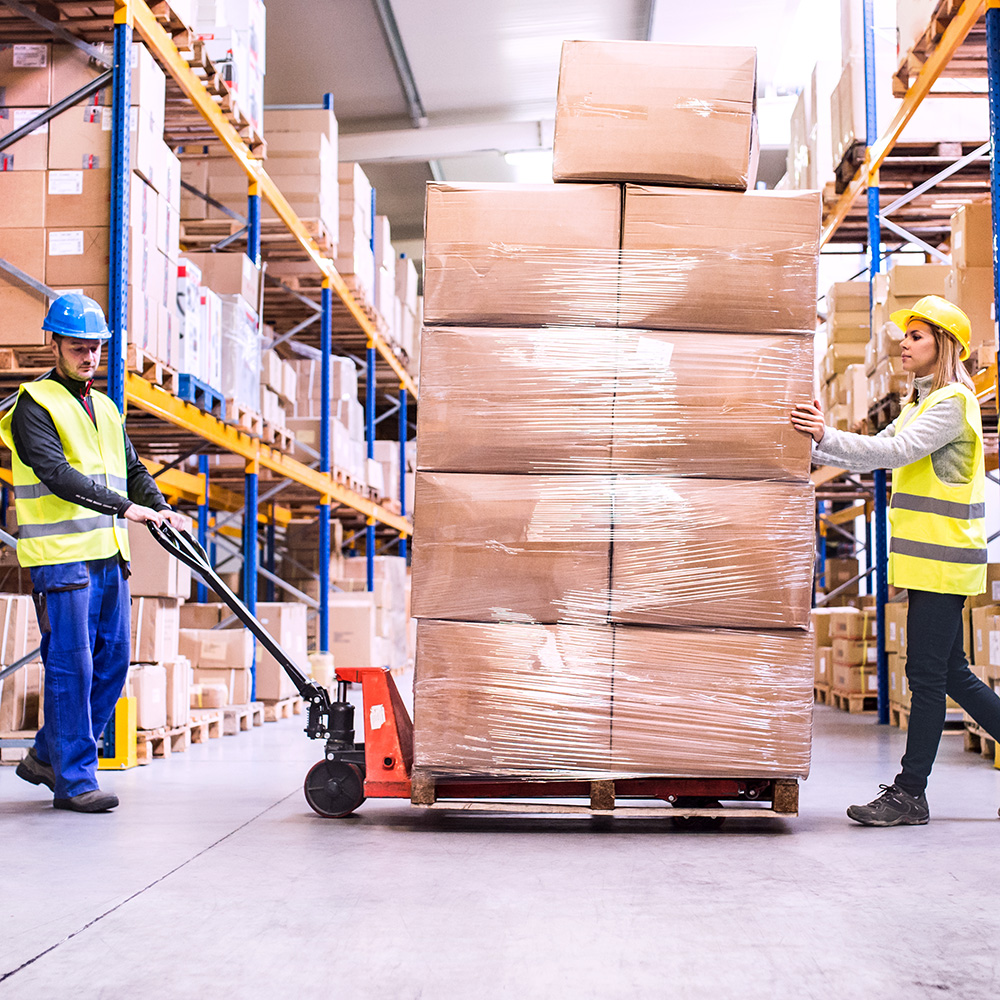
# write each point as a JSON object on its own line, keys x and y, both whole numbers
{"x": 939, "y": 529}
{"x": 52, "y": 530}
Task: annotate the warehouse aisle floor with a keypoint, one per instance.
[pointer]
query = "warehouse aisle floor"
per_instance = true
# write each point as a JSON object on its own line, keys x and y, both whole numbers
{"x": 215, "y": 879}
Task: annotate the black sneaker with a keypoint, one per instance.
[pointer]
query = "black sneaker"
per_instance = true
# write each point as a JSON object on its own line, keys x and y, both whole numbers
{"x": 33, "y": 770}
{"x": 893, "y": 807}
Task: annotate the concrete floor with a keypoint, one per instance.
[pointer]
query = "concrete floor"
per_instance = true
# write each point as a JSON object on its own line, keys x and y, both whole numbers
{"x": 215, "y": 879}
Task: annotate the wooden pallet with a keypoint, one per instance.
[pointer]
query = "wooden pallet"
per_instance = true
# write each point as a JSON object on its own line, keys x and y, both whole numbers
{"x": 278, "y": 437}
{"x": 883, "y": 413}
{"x": 151, "y": 743}
{"x": 853, "y": 702}
{"x": 242, "y": 718}
{"x": 243, "y": 417}
{"x": 283, "y": 709}
{"x": 193, "y": 390}
{"x": 206, "y": 724}
{"x": 964, "y": 61}
{"x": 977, "y": 740}
{"x": 821, "y": 693}
{"x": 150, "y": 368}
{"x": 899, "y": 716}
{"x": 275, "y": 238}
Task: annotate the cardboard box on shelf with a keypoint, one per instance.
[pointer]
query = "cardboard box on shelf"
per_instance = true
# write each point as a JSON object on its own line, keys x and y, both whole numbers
{"x": 531, "y": 254}
{"x": 352, "y": 630}
{"x": 658, "y": 113}
{"x": 77, "y": 256}
{"x": 839, "y": 356}
{"x": 237, "y": 682}
{"x": 178, "y": 673}
{"x": 854, "y": 651}
{"x": 21, "y": 696}
{"x": 820, "y": 619}
{"x": 917, "y": 280}
{"x": 838, "y": 571}
{"x": 856, "y": 380}
{"x": 287, "y": 623}
{"x": 851, "y": 623}
{"x": 155, "y": 627}
{"x": 80, "y": 139}
{"x": 823, "y": 672}
{"x": 154, "y": 572}
{"x": 217, "y": 649}
{"x": 228, "y": 274}
{"x": 848, "y": 328}
{"x": 985, "y": 619}
{"x": 971, "y": 289}
{"x": 851, "y": 678}
{"x": 679, "y": 247}
{"x": 75, "y": 198}
{"x": 972, "y": 236}
{"x": 25, "y": 74}
{"x": 22, "y": 194}
{"x": 209, "y": 694}
{"x": 19, "y": 632}
{"x": 147, "y": 683}
{"x": 895, "y": 626}
{"x": 29, "y": 153}
{"x": 22, "y": 308}
{"x": 899, "y": 688}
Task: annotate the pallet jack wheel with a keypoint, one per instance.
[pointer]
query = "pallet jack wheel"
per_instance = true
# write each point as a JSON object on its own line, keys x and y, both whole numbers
{"x": 697, "y": 822}
{"x": 334, "y": 788}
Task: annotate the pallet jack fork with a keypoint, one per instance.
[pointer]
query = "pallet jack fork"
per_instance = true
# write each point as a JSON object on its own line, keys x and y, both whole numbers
{"x": 381, "y": 766}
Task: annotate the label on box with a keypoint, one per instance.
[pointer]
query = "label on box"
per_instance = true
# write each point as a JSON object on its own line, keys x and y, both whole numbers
{"x": 892, "y": 631}
{"x": 979, "y": 640}
{"x": 872, "y": 682}
{"x": 213, "y": 650}
{"x": 994, "y": 647}
{"x": 66, "y": 244}
{"x": 655, "y": 351}
{"x": 65, "y": 182}
{"x": 106, "y": 119}
{"x": 996, "y": 590}
{"x": 22, "y": 116}
{"x": 30, "y": 56}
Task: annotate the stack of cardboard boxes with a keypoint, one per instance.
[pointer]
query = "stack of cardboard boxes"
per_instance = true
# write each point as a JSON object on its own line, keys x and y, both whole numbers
{"x": 55, "y": 187}
{"x": 160, "y": 674}
{"x": 822, "y": 651}
{"x": 969, "y": 282}
{"x": 21, "y": 701}
{"x": 854, "y": 652}
{"x": 619, "y": 516}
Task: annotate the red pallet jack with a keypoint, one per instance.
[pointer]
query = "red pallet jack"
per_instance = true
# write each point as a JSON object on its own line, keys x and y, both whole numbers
{"x": 382, "y": 765}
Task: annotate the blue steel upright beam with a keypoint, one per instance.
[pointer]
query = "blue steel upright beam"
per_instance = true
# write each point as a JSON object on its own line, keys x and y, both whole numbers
{"x": 404, "y": 431}
{"x": 121, "y": 99}
{"x": 993, "y": 73}
{"x": 250, "y": 479}
{"x": 203, "y": 515}
{"x": 875, "y": 265}
{"x": 325, "y": 464}
{"x": 370, "y": 438}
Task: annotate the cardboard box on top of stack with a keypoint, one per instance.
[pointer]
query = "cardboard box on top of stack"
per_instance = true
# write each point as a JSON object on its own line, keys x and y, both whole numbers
{"x": 638, "y": 298}
{"x": 969, "y": 283}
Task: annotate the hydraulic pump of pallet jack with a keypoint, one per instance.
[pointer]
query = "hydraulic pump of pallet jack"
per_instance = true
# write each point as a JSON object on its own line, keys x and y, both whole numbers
{"x": 333, "y": 722}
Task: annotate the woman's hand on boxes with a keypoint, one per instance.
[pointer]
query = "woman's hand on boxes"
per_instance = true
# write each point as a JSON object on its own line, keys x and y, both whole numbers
{"x": 807, "y": 418}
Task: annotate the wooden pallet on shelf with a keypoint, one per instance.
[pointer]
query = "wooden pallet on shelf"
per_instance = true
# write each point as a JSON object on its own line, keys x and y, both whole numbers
{"x": 275, "y": 238}
{"x": 243, "y": 417}
{"x": 151, "y": 368}
{"x": 279, "y": 437}
{"x": 969, "y": 60}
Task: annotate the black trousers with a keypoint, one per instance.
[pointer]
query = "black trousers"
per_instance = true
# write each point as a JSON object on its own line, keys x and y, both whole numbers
{"x": 936, "y": 666}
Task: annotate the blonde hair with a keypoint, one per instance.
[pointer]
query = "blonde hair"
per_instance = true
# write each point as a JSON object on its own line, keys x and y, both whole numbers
{"x": 950, "y": 367}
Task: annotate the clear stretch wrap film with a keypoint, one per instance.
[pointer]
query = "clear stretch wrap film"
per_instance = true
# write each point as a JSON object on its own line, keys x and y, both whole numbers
{"x": 564, "y": 701}
{"x": 666, "y": 114}
{"x": 603, "y": 255}
{"x": 638, "y": 549}
{"x": 241, "y": 354}
{"x": 594, "y": 401}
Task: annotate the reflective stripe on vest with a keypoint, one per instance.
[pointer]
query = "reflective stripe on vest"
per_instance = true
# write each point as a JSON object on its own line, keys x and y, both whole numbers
{"x": 938, "y": 539}
{"x": 52, "y": 530}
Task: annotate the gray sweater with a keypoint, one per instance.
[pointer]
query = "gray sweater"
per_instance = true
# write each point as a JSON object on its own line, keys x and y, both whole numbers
{"x": 941, "y": 432}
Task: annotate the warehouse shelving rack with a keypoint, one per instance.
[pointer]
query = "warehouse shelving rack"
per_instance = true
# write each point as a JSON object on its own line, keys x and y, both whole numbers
{"x": 151, "y": 408}
{"x": 963, "y": 23}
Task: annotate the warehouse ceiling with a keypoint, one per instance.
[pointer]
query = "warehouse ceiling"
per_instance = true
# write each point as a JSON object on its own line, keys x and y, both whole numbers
{"x": 464, "y": 90}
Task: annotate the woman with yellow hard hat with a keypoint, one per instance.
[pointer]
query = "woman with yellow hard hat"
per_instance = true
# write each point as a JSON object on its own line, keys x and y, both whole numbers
{"x": 938, "y": 546}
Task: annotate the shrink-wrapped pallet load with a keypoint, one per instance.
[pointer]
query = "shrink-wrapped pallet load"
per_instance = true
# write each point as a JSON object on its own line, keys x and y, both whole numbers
{"x": 613, "y": 547}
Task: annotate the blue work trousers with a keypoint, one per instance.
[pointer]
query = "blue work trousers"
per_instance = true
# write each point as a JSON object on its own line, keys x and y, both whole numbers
{"x": 84, "y": 614}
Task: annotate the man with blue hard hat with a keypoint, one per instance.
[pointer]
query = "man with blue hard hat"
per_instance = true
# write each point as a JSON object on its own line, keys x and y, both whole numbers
{"x": 77, "y": 480}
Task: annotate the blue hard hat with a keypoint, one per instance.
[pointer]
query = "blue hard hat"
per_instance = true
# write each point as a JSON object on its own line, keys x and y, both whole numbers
{"x": 76, "y": 315}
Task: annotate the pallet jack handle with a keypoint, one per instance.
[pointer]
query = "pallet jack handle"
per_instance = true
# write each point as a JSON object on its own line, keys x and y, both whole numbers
{"x": 182, "y": 546}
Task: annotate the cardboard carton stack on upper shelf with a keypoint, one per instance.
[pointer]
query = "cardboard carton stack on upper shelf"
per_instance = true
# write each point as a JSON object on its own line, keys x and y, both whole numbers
{"x": 969, "y": 282}
{"x": 59, "y": 179}
{"x": 570, "y": 508}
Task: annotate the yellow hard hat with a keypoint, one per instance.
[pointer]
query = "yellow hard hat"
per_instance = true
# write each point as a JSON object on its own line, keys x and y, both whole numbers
{"x": 941, "y": 313}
